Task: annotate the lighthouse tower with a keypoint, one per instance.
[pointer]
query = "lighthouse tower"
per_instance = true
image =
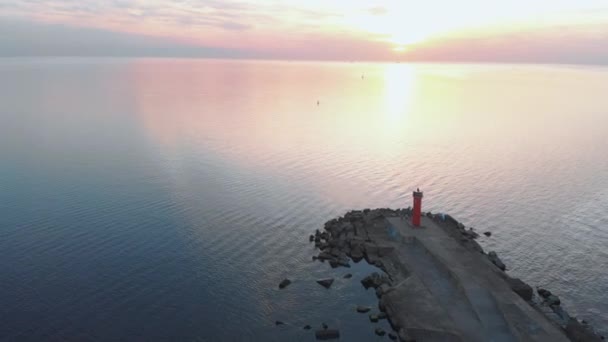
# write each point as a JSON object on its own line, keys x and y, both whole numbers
{"x": 417, "y": 211}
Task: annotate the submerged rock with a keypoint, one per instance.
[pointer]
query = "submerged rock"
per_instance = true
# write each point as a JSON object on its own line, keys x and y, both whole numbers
{"x": 553, "y": 300}
{"x": 326, "y": 283}
{"x": 363, "y": 309}
{"x": 284, "y": 283}
{"x": 307, "y": 327}
{"x": 543, "y": 293}
{"x": 327, "y": 334}
{"x": 348, "y": 276}
{"x": 279, "y": 323}
{"x": 380, "y": 332}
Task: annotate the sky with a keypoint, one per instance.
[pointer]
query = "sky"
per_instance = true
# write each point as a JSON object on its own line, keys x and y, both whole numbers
{"x": 532, "y": 31}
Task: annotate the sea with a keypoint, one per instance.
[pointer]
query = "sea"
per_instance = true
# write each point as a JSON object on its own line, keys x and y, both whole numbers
{"x": 165, "y": 199}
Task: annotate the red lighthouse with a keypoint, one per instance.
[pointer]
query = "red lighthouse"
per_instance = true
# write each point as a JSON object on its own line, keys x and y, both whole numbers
{"x": 417, "y": 211}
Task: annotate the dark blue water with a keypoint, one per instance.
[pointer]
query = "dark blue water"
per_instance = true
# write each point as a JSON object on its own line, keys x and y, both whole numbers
{"x": 166, "y": 199}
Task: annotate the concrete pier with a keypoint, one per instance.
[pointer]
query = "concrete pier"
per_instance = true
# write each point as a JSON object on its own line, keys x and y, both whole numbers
{"x": 451, "y": 293}
{"x": 439, "y": 285}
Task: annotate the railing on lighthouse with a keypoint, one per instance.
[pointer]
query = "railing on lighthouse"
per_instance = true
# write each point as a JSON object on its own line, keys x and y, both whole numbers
{"x": 417, "y": 210}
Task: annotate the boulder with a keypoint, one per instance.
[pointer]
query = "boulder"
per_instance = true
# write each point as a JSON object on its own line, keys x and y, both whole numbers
{"x": 578, "y": 332}
{"x": 381, "y": 305}
{"x": 374, "y": 280}
{"x": 311, "y": 238}
{"x": 284, "y": 283}
{"x": 552, "y": 300}
{"x": 543, "y": 293}
{"x": 363, "y": 309}
{"x": 279, "y": 323}
{"x": 487, "y": 234}
{"x": 380, "y": 332}
{"x": 356, "y": 253}
{"x": 524, "y": 290}
{"x": 471, "y": 234}
{"x": 326, "y": 283}
{"x": 368, "y": 281}
{"x": 324, "y": 256}
{"x": 327, "y": 334}
{"x": 373, "y": 318}
{"x": 496, "y": 260}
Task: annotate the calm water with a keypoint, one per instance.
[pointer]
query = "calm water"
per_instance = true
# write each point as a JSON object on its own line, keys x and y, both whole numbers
{"x": 165, "y": 199}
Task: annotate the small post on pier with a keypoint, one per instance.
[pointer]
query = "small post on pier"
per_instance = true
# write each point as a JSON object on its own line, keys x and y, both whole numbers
{"x": 417, "y": 211}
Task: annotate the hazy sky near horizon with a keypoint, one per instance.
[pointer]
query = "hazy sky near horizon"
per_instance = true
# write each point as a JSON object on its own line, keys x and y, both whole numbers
{"x": 557, "y": 31}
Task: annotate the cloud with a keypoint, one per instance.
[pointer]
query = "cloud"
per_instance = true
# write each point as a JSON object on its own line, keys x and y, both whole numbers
{"x": 377, "y": 10}
{"x": 23, "y": 38}
{"x": 315, "y": 29}
{"x": 564, "y": 46}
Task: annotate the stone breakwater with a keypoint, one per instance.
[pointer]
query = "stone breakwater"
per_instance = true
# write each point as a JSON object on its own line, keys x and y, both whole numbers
{"x": 438, "y": 284}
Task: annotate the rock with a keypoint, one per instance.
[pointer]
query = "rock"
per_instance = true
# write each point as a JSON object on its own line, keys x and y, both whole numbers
{"x": 487, "y": 234}
{"x": 368, "y": 281}
{"x": 284, "y": 283}
{"x": 279, "y": 323}
{"x": 327, "y": 334}
{"x": 471, "y": 234}
{"x": 381, "y": 306}
{"x": 324, "y": 256}
{"x": 392, "y": 336}
{"x": 380, "y": 331}
{"x": 524, "y": 290}
{"x": 543, "y": 293}
{"x": 363, "y": 309}
{"x": 552, "y": 300}
{"x": 311, "y": 238}
{"x": 356, "y": 253}
{"x": 374, "y": 280}
{"x": 348, "y": 276}
{"x": 373, "y": 318}
{"x": 496, "y": 260}
{"x": 326, "y": 283}
{"x": 578, "y": 332}
{"x": 307, "y": 327}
